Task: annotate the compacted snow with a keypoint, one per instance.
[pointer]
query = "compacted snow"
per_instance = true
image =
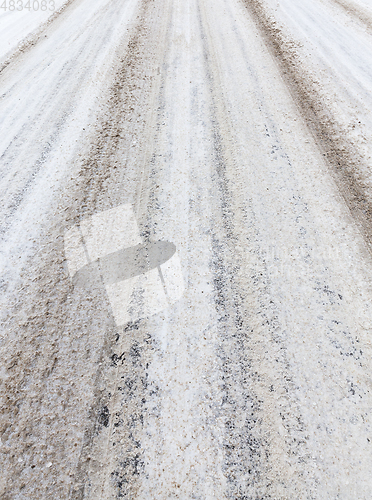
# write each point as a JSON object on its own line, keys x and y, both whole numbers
{"x": 185, "y": 256}
{"x": 18, "y": 22}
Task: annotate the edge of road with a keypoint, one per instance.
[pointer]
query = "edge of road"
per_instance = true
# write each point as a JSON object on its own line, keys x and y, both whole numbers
{"x": 342, "y": 157}
{"x": 32, "y": 38}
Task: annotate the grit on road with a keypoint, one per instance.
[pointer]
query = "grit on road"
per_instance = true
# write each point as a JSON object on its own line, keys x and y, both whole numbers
{"x": 186, "y": 250}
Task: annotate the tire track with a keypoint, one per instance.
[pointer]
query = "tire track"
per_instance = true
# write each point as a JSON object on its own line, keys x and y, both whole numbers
{"x": 121, "y": 387}
{"x": 357, "y": 12}
{"x": 33, "y": 38}
{"x": 254, "y": 464}
{"x": 341, "y": 155}
{"x": 59, "y": 352}
{"x": 32, "y": 141}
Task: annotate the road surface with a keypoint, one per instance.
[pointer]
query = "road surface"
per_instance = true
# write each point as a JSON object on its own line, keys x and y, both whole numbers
{"x": 186, "y": 250}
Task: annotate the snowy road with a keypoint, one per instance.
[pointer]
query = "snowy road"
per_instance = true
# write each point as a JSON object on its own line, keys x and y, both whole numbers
{"x": 185, "y": 251}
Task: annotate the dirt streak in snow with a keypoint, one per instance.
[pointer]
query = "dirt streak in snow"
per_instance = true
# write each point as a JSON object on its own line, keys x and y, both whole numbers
{"x": 359, "y": 13}
{"x": 254, "y": 462}
{"x": 30, "y": 40}
{"x": 118, "y": 156}
{"x": 344, "y": 159}
{"x": 55, "y": 401}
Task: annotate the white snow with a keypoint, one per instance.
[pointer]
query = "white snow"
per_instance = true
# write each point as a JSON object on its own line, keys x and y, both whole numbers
{"x": 16, "y": 25}
{"x": 243, "y": 191}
